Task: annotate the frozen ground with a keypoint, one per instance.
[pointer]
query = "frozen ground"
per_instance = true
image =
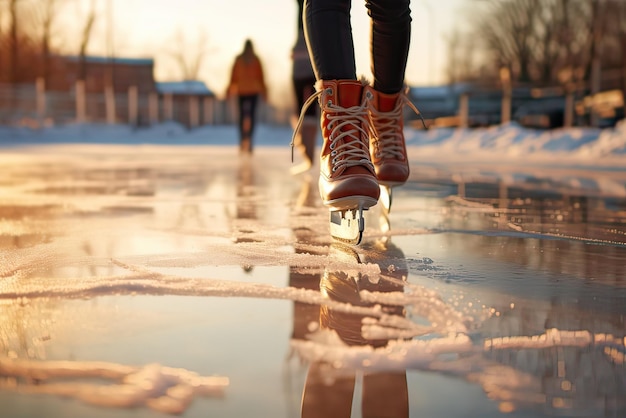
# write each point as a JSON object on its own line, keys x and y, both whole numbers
{"x": 155, "y": 272}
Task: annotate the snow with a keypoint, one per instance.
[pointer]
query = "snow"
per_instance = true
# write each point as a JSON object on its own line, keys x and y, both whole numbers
{"x": 575, "y": 146}
{"x": 115, "y": 60}
{"x": 185, "y": 87}
{"x": 163, "y": 389}
{"x": 588, "y": 147}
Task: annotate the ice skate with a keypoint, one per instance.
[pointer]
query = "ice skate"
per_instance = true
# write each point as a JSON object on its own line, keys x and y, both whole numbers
{"x": 347, "y": 182}
{"x": 387, "y": 145}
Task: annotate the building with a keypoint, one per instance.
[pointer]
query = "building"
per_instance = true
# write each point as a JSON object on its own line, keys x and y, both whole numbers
{"x": 189, "y": 102}
{"x": 100, "y": 72}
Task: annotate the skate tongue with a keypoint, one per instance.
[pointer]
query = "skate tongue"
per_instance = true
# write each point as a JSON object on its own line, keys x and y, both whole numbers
{"x": 349, "y": 93}
{"x": 387, "y": 102}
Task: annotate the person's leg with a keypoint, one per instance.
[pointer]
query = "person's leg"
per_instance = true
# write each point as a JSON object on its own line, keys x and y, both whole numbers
{"x": 328, "y": 33}
{"x": 390, "y": 38}
{"x": 347, "y": 176}
{"x": 307, "y": 135}
{"x": 389, "y": 42}
{"x": 246, "y": 106}
{"x": 253, "y": 100}
{"x": 241, "y": 101}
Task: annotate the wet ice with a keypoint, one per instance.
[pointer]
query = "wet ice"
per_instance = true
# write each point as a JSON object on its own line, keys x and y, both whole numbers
{"x": 466, "y": 294}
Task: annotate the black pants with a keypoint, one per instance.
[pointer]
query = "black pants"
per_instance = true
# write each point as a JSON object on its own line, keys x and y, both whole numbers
{"x": 329, "y": 35}
{"x": 304, "y": 88}
{"x": 247, "y": 116}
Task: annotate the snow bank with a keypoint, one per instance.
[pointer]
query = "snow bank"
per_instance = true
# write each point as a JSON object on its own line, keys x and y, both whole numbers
{"x": 511, "y": 141}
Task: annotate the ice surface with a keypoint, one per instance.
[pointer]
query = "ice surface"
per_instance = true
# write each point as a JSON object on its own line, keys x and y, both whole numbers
{"x": 163, "y": 389}
{"x": 462, "y": 286}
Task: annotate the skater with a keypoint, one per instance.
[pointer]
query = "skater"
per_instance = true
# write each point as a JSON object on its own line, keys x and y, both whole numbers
{"x": 362, "y": 127}
{"x": 247, "y": 83}
{"x": 303, "y": 81}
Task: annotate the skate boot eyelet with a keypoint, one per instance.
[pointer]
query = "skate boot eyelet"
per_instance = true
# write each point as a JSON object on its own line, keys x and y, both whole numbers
{"x": 333, "y": 153}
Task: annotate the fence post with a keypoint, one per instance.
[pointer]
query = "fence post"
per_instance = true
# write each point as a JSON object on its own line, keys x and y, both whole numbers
{"x": 505, "y": 112}
{"x": 231, "y": 111}
{"x": 220, "y": 111}
{"x": 464, "y": 110}
{"x": 133, "y": 101}
{"x": 566, "y": 78}
{"x": 81, "y": 112}
{"x": 568, "y": 117}
{"x": 153, "y": 108}
{"x": 506, "y": 108}
{"x": 503, "y": 195}
{"x": 109, "y": 100}
{"x": 168, "y": 106}
{"x": 194, "y": 111}
{"x": 596, "y": 83}
{"x": 208, "y": 111}
{"x": 40, "y": 88}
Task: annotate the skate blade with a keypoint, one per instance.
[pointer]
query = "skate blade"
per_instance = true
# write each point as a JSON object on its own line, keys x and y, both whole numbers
{"x": 385, "y": 197}
{"x": 347, "y": 225}
{"x": 385, "y": 202}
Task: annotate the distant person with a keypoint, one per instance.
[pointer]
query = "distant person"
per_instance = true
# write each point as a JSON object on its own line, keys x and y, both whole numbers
{"x": 362, "y": 123}
{"x": 303, "y": 80}
{"x": 247, "y": 83}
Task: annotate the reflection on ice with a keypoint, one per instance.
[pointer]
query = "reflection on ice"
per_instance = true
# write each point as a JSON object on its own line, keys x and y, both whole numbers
{"x": 163, "y": 389}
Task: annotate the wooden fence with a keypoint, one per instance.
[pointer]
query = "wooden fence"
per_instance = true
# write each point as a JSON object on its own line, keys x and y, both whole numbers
{"x": 32, "y": 105}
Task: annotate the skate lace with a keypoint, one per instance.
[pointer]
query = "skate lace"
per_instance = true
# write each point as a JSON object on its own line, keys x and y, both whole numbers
{"x": 296, "y": 129}
{"x": 346, "y": 145}
{"x": 384, "y": 127}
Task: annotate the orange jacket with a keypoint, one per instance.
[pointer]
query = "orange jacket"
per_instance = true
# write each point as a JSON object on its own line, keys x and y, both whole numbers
{"x": 247, "y": 77}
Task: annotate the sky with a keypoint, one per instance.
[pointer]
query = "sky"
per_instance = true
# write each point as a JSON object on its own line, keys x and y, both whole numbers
{"x": 151, "y": 28}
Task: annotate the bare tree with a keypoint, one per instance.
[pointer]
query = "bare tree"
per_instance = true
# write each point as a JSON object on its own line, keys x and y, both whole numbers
{"x": 19, "y": 43}
{"x": 621, "y": 15}
{"x": 540, "y": 39}
{"x": 3, "y": 48}
{"x": 597, "y": 20}
{"x": 453, "y": 42}
{"x": 461, "y": 64}
{"x": 13, "y": 42}
{"x": 560, "y": 39}
{"x": 548, "y": 49}
{"x": 84, "y": 40}
{"x": 189, "y": 56}
{"x": 507, "y": 28}
{"x": 46, "y": 13}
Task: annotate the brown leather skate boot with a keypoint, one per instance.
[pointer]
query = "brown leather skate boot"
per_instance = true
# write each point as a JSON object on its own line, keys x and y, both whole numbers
{"x": 347, "y": 182}
{"x": 347, "y": 176}
{"x": 387, "y": 146}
